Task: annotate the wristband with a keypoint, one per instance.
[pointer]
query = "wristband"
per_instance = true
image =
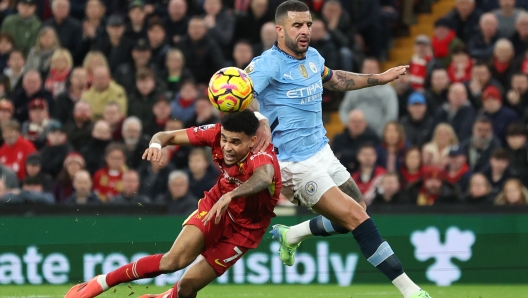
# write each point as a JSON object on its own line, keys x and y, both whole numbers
{"x": 260, "y": 116}
{"x": 155, "y": 145}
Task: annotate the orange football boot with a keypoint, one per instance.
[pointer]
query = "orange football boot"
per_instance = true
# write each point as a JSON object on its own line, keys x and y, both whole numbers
{"x": 89, "y": 289}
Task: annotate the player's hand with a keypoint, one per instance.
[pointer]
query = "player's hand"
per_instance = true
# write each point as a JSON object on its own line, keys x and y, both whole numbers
{"x": 263, "y": 136}
{"x": 218, "y": 209}
{"x": 393, "y": 74}
{"x": 152, "y": 154}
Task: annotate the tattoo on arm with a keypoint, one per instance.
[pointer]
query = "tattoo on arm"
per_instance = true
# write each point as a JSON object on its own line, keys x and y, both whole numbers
{"x": 350, "y": 188}
{"x": 262, "y": 178}
{"x": 344, "y": 81}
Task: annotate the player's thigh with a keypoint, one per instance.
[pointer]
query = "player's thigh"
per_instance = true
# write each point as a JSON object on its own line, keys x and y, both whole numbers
{"x": 189, "y": 244}
{"x": 340, "y": 208}
{"x": 196, "y": 277}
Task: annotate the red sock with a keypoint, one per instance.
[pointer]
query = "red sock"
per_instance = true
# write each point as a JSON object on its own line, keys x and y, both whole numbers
{"x": 143, "y": 268}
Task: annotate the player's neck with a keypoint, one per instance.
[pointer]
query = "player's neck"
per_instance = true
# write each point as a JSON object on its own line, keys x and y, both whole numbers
{"x": 287, "y": 50}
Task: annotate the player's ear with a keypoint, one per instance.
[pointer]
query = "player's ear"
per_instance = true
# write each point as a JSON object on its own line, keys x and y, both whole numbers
{"x": 252, "y": 141}
{"x": 279, "y": 30}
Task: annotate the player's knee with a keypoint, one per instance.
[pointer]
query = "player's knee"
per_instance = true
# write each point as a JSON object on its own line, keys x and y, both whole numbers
{"x": 356, "y": 215}
{"x": 185, "y": 289}
{"x": 171, "y": 263}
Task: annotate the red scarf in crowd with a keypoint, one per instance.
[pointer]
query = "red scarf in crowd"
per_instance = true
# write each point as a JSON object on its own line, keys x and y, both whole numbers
{"x": 454, "y": 179}
{"x": 451, "y": 72}
{"x": 501, "y": 66}
{"x": 441, "y": 47}
{"x": 524, "y": 66}
{"x": 410, "y": 178}
{"x": 184, "y": 103}
{"x": 418, "y": 71}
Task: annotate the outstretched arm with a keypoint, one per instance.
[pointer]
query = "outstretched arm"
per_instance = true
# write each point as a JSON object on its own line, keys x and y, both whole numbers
{"x": 162, "y": 139}
{"x": 343, "y": 80}
{"x": 261, "y": 179}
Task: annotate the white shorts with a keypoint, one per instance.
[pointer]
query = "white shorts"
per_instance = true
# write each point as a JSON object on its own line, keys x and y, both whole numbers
{"x": 305, "y": 182}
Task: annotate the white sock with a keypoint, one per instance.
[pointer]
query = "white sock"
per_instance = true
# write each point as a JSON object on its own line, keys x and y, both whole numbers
{"x": 298, "y": 233}
{"x": 101, "y": 279}
{"x": 405, "y": 285}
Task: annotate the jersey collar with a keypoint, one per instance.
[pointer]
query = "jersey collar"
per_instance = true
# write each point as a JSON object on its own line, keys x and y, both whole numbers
{"x": 276, "y": 48}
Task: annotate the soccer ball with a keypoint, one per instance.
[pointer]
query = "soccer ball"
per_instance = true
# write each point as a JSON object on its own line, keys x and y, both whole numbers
{"x": 230, "y": 90}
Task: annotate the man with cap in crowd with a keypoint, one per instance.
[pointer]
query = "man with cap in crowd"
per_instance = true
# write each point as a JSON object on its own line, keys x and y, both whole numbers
{"x": 458, "y": 171}
{"x": 114, "y": 45}
{"x": 15, "y": 149}
{"x": 56, "y": 150}
{"x": 444, "y": 41}
{"x": 6, "y": 114}
{"x": 416, "y": 124}
{"x": 136, "y": 28}
{"x": 39, "y": 123}
{"x": 433, "y": 189}
{"x": 34, "y": 170}
{"x": 420, "y": 62}
{"x": 500, "y": 116}
{"x": 23, "y": 26}
{"x": 125, "y": 74}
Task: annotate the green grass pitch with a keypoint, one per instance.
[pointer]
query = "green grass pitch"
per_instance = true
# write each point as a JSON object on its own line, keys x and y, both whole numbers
{"x": 290, "y": 291}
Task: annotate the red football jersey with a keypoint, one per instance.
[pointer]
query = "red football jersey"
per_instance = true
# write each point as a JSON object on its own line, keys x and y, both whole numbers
{"x": 14, "y": 157}
{"x": 107, "y": 185}
{"x": 252, "y": 212}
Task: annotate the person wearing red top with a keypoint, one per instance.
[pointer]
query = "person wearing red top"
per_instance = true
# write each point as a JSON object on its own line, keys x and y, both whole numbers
{"x": 108, "y": 180}
{"x": 231, "y": 218}
{"x": 368, "y": 176}
{"x": 418, "y": 67}
{"x": 16, "y": 149}
{"x": 459, "y": 69}
{"x": 458, "y": 171}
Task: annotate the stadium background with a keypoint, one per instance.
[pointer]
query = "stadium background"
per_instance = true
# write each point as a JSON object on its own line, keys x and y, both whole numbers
{"x": 83, "y": 76}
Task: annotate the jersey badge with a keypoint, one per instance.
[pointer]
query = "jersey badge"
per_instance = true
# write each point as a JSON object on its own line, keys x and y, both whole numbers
{"x": 313, "y": 67}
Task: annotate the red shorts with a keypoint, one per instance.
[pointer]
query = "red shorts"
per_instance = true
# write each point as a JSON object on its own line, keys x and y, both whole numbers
{"x": 225, "y": 242}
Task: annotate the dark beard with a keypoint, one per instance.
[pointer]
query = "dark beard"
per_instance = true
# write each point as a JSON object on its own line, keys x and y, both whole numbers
{"x": 292, "y": 45}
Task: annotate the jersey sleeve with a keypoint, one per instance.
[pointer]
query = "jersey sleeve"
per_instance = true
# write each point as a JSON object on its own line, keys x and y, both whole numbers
{"x": 204, "y": 135}
{"x": 258, "y": 73}
{"x": 261, "y": 158}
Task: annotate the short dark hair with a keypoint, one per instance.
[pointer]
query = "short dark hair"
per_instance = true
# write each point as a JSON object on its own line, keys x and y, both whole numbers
{"x": 145, "y": 73}
{"x": 36, "y": 180}
{"x": 516, "y": 129}
{"x": 482, "y": 63}
{"x": 116, "y": 146}
{"x": 290, "y": 5}
{"x": 500, "y": 154}
{"x": 155, "y": 21}
{"x": 459, "y": 49}
{"x": 244, "y": 121}
{"x": 367, "y": 145}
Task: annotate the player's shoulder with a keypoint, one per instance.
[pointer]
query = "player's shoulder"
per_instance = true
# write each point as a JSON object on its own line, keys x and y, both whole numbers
{"x": 268, "y": 154}
{"x": 268, "y": 62}
{"x": 313, "y": 54}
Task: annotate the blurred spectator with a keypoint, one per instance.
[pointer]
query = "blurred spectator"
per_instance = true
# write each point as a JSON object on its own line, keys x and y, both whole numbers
{"x": 346, "y": 144}
{"x": 103, "y": 92}
{"x": 66, "y": 100}
{"x": 162, "y": 114}
{"x": 248, "y": 25}
{"x": 513, "y": 193}
{"x": 479, "y": 147}
{"x": 465, "y": 19}
{"x": 108, "y": 181}
{"x": 157, "y": 41}
{"x": 6, "y": 114}
{"x": 69, "y": 30}
{"x": 479, "y": 190}
{"x": 154, "y": 175}
{"x": 130, "y": 194}
{"x": 202, "y": 174}
{"x": 183, "y": 105}
{"x": 388, "y": 191}
{"x": 79, "y": 130}
{"x": 34, "y": 170}
{"x": 418, "y": 67}
{"x": 6, "y": 46}
{"x": 91, "y": 61}
{"x": 268, "y": 37}
{"x": 435, "y": 152}
{"x": 457, "y": 112}
{"x": 411, "y": 170}
{"x": 175, "y": 72}
{"x": 179, "y": 155}
{"x": 202, "y": 55}
{"x": 204, "y": 113}
{"x": 517, "y": 96}
{"x": 480, "y": 46}
{"x": 243, "y": 53}
{"x": 135, "y": 141}
{"x": 391, "y": 152}
{"x": 144, "y": 96}
{"x": 378, "y": 103}
{"x": 39, "y": 57}
{"x": 31, "y": 89}
{"x": 498, "y": 171}
{"x": 56, "y": 150}
{"x": 444, "y": 41}
{"x": 403, "y": 89}
{"x": 15, "y": 70}
{"x": 83, "y": 195}
{"x": 342, "y": 31}
{"x": 8, "y": 178}
{"x": 92, "y": 26}
{"x": 460, "y": 68}
{"x": 32, "y": 192}
{"x": 433, "y": 189}
{"x": 499, "y": 115}
{"x": 480, "y": 79}
{"x": 39, "y": 123}
{"x": 220, "y": 24}
{"x": 177, "y": 20}
{"x": 436, "y": 94}
{"x": 368, "y": 28}
{"x": 16, "y": 149}
{"x": 368, "y": 174}
{"x": 93, "y": 152}
{"x": 506, "y": 16}
{"x": 518, "y": 151}
{"x": 503, "y": 66}
{"x": 178, "y": 199}
{"x": 113, "y": 44}
{"x": 416, "y": 124}
{"x": 125, "y": 74}
{"x": 23, "y": 26}
{"x": 5, "y": 195}
{"x": 321, "y": 41}
{"x": 458, "y": 172}
{"x": 113, "y": 116}
{"x": 136, "y": 28}
{"x": 60, "y": 67}
{"x": 63, "y": 187}
{"x": 520, "y": 37}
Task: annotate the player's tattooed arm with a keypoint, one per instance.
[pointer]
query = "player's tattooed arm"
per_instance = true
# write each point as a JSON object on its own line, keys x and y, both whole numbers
{"x": 344, "y": 80}
{"x": 261, "y": 179}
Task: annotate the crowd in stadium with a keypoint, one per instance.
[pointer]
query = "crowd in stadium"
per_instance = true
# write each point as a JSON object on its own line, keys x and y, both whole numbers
{"x": 86, "y": 83}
